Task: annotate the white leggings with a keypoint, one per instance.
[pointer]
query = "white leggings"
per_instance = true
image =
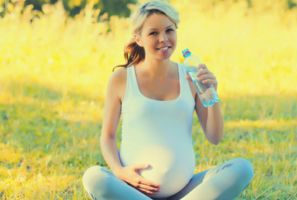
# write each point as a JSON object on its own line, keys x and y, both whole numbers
{"x": 225, "y": 181}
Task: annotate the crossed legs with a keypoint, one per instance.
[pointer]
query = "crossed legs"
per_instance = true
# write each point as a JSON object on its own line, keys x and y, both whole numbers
{"x": 226, "y": 181}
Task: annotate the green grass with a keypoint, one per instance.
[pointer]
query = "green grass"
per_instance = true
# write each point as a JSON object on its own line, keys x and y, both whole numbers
{"x": 47, "y": 150}
{"x": 53, "y": 74}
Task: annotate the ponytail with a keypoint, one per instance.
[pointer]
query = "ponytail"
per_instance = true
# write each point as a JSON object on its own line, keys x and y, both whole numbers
{"x": 133, "y": 54}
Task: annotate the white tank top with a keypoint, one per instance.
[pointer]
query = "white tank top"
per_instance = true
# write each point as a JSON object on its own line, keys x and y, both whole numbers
{"x": 159, "y": 133}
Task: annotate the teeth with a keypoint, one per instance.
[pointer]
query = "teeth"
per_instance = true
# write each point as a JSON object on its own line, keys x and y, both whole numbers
{"x": 164, "y": 48}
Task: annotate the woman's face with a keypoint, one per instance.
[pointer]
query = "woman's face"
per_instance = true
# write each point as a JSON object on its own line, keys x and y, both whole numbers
{"x": 157, "y": 37}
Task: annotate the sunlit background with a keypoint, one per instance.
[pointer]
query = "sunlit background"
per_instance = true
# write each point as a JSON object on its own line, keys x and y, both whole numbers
{"x": 56, "y": 58}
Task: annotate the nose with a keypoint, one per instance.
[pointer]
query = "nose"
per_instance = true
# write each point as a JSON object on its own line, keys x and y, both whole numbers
{"x": 163, "y": 37}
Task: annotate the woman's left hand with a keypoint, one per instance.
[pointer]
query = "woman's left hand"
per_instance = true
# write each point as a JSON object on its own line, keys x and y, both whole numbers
{"x": 205, "y": 76}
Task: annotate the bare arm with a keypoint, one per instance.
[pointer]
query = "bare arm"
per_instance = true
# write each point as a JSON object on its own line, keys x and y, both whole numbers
{"x": 211, "y": 118}
{"x": 112, "y": 112}
{"x": 111, "y": 116}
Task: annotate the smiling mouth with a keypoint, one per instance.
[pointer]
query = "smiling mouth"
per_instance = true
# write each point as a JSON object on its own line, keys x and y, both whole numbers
{"x": 164, "y": 48}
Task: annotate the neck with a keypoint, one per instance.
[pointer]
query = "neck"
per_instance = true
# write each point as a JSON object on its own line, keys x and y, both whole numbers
{"x": 156, "y": 68}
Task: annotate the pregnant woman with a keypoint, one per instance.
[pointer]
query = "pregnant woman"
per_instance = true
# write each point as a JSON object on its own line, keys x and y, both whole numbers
{"x": 156, "y": 100}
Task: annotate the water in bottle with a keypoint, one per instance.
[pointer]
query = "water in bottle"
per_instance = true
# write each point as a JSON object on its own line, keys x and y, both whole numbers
{"x": 206, "y": 93}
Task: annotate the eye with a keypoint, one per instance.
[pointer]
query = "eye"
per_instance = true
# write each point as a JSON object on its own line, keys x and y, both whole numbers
{"x": 169, "y": 30}
{"x": 153, "y": 33}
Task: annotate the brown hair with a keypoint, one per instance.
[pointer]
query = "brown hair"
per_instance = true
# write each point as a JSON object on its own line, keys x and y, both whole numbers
{"x": 133, "y": 54}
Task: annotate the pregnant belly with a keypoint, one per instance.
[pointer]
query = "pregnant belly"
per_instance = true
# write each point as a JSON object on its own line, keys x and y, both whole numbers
{"x": 171, "y": 168}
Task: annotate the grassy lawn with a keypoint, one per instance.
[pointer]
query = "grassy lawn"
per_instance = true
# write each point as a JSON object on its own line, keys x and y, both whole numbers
{"x": 45, "y": 149}
{"x": 54, "y": 71}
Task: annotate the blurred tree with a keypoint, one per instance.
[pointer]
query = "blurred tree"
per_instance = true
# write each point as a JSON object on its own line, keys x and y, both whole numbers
{"x": 110, "y": 7}
{"x": 72, "y": 7}
{"x": 291, "y": 4}
{"x": 107, "y": 8}
{"x": 37, "y": 4}
{"x": 249, "y": 3}
{"x": 115, "y": 7}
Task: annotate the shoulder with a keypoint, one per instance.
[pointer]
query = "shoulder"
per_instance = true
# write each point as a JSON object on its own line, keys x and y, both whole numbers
{"x": 119, "y": 75}
{"x": 117, "y": 81}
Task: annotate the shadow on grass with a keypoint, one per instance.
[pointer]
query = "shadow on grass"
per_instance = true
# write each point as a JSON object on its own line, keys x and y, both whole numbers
{"x": 44, "y": 93}
{"x": 32, "y": 128}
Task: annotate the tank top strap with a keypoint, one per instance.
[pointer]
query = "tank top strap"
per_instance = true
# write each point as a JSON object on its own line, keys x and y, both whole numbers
{"x": 131, "y": 89}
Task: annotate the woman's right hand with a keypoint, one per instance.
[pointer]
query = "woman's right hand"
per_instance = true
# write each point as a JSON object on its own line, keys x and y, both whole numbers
{"x": 130, "y": 174}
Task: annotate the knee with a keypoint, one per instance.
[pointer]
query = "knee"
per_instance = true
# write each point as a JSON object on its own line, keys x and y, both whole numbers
{"x": 245, "y": 169}
{"x": 94, "y": 179}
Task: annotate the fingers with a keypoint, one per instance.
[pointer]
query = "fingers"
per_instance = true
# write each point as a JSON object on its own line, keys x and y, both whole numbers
{"x": 148, "y": 189}
{"x": 202, "y": 66}
{"x": 188, "y": 77}
{"x": 140, "y": 166}
{"x": 147, "y": 192}
{"x": 203, "y": 70}
{"x": 202, "y": 74}
{"x": 133, "y": 178}
{"x": 148, "y": 183}
{"x": 205, "y": 76}
{"x": 140, "y": 182}
{"x": 146, "y": 186}
{"x": 144, "y": 183}
{"x": 209, "y": 82}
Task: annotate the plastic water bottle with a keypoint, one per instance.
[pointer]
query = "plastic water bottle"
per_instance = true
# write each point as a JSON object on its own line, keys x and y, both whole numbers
{"x": 206, "y": 93}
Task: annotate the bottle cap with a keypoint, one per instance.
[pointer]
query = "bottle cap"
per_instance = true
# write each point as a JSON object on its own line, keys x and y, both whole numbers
{"x": 186, "y": 53}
